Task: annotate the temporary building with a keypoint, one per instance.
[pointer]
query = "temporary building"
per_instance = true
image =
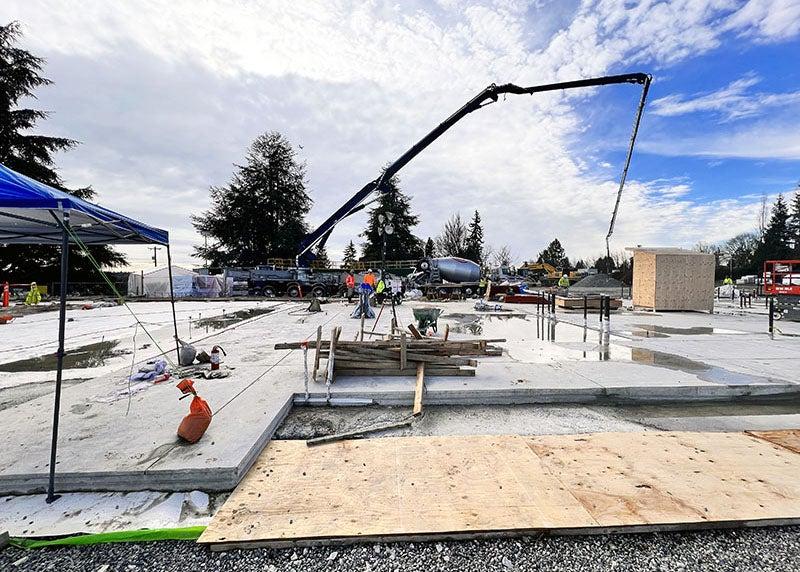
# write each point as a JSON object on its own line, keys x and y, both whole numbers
{"x": 156, "y": 284}
{"x": 34, "y": 213}
{"x": 673, "y": 279}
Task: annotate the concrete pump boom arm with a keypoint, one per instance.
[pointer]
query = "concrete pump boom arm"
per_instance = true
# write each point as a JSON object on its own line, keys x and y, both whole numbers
{"x": 489, "y": 95}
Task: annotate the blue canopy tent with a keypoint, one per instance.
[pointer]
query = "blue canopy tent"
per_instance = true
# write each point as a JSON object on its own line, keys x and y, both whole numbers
{"x": 34, "y": 213}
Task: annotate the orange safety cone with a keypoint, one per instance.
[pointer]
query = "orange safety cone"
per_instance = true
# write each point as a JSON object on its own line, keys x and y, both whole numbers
{"x": 194, "y": 425}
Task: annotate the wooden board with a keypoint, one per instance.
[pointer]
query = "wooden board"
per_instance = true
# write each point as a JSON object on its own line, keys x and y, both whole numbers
{"x": 787, "y": 438}
{"x": 442, "y": 487}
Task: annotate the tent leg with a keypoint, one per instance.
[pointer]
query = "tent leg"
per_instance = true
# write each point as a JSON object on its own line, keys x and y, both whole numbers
{"x": 62, "y": 318}
{"x": 172, "y": 301}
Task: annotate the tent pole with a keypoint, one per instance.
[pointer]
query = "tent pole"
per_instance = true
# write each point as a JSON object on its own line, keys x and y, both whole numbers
{"x": 172, "y": 301}
{"x": 62, "y": 318}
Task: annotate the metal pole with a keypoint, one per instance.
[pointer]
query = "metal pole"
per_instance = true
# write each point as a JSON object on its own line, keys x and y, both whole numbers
{"x": 771, "y": 314}
{"x": 62, "y": 319}
{"x": 172, "y": 301}
{"x": 585, "y": 309}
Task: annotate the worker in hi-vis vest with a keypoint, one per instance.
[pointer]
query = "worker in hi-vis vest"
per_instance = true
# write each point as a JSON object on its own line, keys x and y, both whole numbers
{"x": 728, "y": 280}
{"x": 563, "y": 282}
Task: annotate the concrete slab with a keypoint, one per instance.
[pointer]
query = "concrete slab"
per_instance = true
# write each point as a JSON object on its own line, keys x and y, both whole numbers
{"x": 105, "y": 444}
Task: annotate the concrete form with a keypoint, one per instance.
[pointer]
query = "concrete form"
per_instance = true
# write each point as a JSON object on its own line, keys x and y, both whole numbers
{"x": 673, "y": 279}
{"x": 105, "y": 445}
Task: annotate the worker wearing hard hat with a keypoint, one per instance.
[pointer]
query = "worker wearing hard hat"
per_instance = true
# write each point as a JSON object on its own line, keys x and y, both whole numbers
{"x": 34, "y": 296}
{"x": 563, "y": 282}
{"x": 369, "y": 279}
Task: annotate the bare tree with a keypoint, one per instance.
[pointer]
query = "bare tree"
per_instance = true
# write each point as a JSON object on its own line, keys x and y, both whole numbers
{"x": 453, "y": 240}
{"x": 503, "y": 256}
{"x": 763, "y": 216}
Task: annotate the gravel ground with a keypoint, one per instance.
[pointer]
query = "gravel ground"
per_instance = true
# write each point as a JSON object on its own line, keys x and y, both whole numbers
{"x": 744, "y": 549}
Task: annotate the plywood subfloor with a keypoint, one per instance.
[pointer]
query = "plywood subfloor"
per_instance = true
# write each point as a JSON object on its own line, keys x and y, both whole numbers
{"x": 789, "y": 438}
{"x": 428, "y": 487}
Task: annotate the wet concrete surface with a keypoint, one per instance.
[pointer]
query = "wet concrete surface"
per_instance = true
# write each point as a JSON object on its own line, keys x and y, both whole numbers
{"x": 309, "y": 422}
{"x": 229, "y": 319}
{"x": 655, "y": 330}
{"x": 88, "y": 356}
{"x": 536, "y": 339}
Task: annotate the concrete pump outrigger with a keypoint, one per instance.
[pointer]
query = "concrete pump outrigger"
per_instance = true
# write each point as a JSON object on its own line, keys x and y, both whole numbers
{"x": 489, "y": 95}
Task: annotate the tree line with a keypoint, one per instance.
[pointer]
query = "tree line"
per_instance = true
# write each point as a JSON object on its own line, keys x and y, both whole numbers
{"x": 261, "y": 213}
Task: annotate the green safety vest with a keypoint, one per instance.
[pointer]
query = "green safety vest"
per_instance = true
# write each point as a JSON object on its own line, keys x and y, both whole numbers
{"x": 381, "y": 286}
{"x": 563, "y": 282}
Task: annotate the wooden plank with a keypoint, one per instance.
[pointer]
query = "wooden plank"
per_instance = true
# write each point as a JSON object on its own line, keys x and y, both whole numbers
{"x": 357, "y": 491}
{"x": 403, "y": 356}
{"x": 446, "y": 331}
{"x": 357, "y": 432}
{"x": 788, "y": 438}
{"x": 418, "y": 389}
{"x": 318, "y": 351}
{"x": 431, "y": 371}
{"x": 414, "y": 331}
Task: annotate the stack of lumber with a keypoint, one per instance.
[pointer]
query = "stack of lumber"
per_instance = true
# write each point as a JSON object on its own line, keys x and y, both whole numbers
{"x": 401, "y": 356}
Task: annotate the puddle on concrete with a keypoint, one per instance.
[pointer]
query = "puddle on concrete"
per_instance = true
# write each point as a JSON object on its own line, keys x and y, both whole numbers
{"x": 90, "y": 355}
{"x": 704, "y": 371}
{"x": 658, "y": 331}
{"x": 535, "y": 339}
{"x": 225, "y": 320}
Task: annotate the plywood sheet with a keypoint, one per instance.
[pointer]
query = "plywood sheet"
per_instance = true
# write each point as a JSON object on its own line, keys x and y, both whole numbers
{"x": 394, "y": 486}
{"x": 787, "y": 438}
{"x": 674, "y": 477}
{"x": 445, "y": 486}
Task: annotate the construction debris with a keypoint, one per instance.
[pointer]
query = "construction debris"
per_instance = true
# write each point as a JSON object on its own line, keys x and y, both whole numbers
{"x": 401, "y": 356}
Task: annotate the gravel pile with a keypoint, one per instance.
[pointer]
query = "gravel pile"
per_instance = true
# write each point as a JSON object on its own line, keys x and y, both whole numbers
{"x": 597, "y": 281}
{"x": 761, "y": 549}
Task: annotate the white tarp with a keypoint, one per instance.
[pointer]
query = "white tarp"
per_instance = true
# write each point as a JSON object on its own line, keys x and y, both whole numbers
{"x": 155, "y": 284}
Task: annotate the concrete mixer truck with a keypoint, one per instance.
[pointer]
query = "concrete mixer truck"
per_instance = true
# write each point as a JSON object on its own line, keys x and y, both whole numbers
{"x": 446, "y": 277}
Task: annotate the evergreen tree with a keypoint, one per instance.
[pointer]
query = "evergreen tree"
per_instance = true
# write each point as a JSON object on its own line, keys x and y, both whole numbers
{"x": 794, "y": 223}
{"x": 775, "y": 245}
{"x": 453, "y": 240}
{"x": 260, "y": 213}
{"x": 429, "y": 248}
{"x": 555, "y": 255}
{"x": 474, "y": 242}
{"x": 604, "y": 264}
{"x": 32, "y": 155}
{"x": 401, "y": 244}
{"x": 350, "y": 256}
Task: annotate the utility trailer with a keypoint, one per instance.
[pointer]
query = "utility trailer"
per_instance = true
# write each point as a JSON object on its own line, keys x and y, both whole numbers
{"x": 782, "y": 281}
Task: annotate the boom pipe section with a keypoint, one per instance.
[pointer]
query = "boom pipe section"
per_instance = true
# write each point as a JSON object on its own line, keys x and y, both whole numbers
{"x": 489, "y": 95}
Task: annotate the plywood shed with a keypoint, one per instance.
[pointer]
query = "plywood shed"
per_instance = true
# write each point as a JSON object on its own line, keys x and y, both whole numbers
{"x": 673, "y": 279}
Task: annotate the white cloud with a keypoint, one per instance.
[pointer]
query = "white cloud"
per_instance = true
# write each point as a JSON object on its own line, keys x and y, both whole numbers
{"x": 732, "y": 102}
{"x": 781, "y": 141}
{"x": 766, "y": 20}
{"x": 165, "y": 96}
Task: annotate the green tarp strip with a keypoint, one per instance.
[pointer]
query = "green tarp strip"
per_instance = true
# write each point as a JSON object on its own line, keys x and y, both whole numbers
{"x": 188, "y": 533}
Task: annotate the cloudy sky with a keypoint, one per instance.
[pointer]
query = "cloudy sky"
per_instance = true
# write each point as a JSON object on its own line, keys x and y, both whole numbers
{"x": 166, "y": 96}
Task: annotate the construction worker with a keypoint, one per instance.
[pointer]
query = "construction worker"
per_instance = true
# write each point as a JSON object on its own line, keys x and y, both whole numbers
{"x": 34, "y": 296}
{"x": 563, "y": 282}
{"x": 380, "y": 287}
{"x": 728, "y": 280}
{"x": 350, "y": 284}
{"x": 369, "y": 279}
{"x": 482, "y": 285}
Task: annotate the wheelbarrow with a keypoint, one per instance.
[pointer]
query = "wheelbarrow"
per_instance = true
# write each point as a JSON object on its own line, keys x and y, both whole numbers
{"x": 427, "y": 317}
